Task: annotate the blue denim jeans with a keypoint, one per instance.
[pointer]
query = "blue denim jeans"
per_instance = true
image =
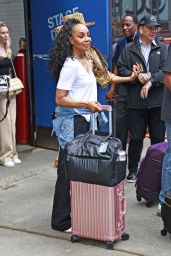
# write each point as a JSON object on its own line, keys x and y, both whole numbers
{"x": 166, "y": 169}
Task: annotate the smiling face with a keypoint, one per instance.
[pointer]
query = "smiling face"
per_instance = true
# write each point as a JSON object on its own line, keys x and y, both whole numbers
{"x": 80, "y": 39}
{"x": 129, "y": 27}
{"x": 4, "y": 34}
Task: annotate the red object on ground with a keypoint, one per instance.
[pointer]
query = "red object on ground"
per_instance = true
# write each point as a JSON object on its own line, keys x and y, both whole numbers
{"x": 23, "y": 111}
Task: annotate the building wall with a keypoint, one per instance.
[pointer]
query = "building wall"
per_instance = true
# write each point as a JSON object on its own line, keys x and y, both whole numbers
{"x": 12, "y": 13}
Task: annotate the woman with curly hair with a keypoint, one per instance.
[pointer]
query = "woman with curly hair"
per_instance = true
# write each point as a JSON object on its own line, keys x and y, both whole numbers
{"x": 72, "y": 61}
{"x": 8, "y": 153}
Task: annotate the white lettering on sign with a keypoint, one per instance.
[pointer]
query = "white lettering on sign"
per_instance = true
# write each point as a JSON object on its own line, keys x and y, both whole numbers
{"x": 57, "y": 20}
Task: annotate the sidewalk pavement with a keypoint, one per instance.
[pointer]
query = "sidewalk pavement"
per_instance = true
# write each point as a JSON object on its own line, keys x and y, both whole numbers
{"x": 26, "y": 197}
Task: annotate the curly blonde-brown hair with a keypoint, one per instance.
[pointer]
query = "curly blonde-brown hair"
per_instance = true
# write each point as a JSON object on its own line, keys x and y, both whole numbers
{"x": 8, "y": 44}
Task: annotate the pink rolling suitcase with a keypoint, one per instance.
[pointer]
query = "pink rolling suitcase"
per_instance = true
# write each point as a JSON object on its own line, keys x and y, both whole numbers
{"x": 98, "y": 212}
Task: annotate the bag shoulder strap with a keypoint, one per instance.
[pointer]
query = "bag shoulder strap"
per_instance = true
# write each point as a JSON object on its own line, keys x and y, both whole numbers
{"x": 13, "y": 68}
{"x": 7, "y": 105}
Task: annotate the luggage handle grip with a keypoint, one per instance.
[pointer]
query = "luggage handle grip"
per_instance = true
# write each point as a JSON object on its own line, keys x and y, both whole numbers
{"x": 109, "y": 109}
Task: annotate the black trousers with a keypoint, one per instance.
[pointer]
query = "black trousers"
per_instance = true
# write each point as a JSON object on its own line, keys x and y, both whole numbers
{"x": 122, "y": 122}
{"x": 61, "y": 219}
{"x": 139, "y": 120}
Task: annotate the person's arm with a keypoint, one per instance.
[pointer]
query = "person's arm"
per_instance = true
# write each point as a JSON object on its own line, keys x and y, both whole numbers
{"x": 121, "y": 79}
{"x": 63, "y": 100}
{"x": 117, "y": 79}
{"x": 157, "y": 78}
{"x": 103, "y": 76}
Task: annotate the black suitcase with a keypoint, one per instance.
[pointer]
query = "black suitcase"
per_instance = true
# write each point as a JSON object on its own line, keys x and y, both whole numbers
{"x": 96, "y": 158}
{"x": 166, "y": 214}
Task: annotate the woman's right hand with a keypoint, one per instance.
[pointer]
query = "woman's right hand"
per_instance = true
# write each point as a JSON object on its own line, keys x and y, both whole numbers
{"x": 94, "y": 106}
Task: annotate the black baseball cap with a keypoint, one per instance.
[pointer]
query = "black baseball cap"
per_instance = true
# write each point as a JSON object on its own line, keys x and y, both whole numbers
{"x": 149, "y": 21}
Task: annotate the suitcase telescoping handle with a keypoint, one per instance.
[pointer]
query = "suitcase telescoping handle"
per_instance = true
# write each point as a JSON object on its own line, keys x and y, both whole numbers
{"x": 109, "y": 109}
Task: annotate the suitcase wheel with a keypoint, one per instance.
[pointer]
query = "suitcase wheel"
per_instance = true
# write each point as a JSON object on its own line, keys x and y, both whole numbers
{"x": 163, "y": 232}
{"x": 138, "y": 198}
{"x": 149, "y": 204}
{"x": 125, "y": 236}
{"x": 74, "y": 238}
{"x": 109, "y": 245}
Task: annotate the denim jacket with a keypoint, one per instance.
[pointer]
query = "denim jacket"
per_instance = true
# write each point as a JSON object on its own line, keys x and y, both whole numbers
{"x": 63, "y": 124}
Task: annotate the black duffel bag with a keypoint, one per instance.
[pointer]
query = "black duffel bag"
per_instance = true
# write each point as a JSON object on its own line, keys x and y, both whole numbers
{"x": 95, "y": 159}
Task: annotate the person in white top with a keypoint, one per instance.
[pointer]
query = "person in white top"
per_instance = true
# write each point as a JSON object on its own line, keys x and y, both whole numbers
{"x": 77, "y": 80}
{"x": 76, "y": 97}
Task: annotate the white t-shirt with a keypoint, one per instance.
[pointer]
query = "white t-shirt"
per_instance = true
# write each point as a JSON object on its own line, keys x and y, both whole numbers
{"x": 75, "y": 79}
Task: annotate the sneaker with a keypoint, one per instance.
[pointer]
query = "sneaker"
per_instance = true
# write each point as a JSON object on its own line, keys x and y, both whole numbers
{"x": 69, "y": 230}
{"x": 8, "y": 163}
{"x": 131, "y": 178}
{"x": 62, "y": 230}
{"x": 17, "y": 161}
{"x": 159, "y": 210}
